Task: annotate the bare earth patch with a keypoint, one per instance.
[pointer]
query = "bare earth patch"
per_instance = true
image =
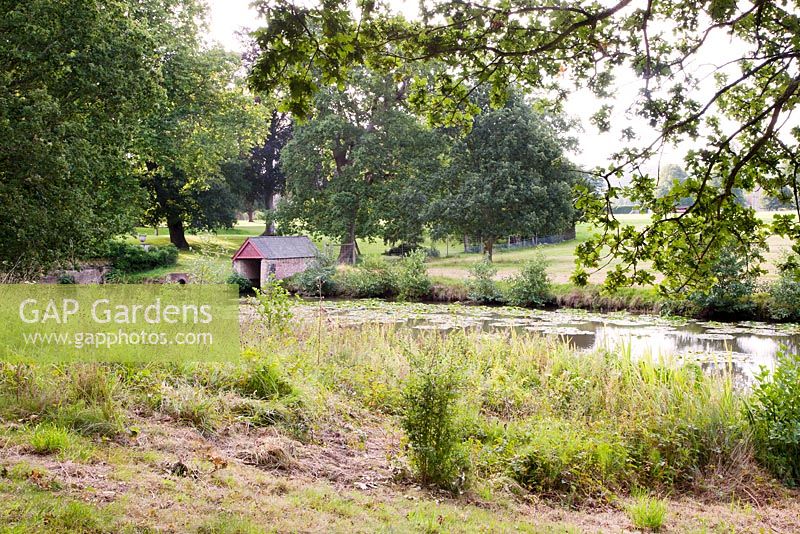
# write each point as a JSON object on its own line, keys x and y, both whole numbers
{"x": 174, "y": 478}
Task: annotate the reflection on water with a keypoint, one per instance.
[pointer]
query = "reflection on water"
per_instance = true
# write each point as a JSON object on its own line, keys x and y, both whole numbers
{"x": 746, "y": 346}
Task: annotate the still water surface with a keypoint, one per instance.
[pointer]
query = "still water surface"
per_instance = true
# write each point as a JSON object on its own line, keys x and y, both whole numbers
{"x": 746, "y": 346}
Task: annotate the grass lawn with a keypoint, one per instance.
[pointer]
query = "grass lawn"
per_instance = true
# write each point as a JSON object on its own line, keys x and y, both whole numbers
{"x": 216, "y": 249}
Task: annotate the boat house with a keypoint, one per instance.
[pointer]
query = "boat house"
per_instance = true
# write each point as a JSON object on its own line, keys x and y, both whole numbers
{"x": 280, "y": 256}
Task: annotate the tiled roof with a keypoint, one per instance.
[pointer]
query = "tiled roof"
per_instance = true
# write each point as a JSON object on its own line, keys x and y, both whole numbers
{"x": 283, "y": 247}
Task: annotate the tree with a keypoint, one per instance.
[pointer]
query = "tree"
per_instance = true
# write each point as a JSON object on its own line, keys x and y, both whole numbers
{"x": 508, "y": 177}
{"x": 740, "y": 131}
{"x": 74, "y": 77}
{"x": 343, "y": 166}
{"x": 263, "y": 175}
{"x": 203, "y": 120}
{"x": 668, "y": 175}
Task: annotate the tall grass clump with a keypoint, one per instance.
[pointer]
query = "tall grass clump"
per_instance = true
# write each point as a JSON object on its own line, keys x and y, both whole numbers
{"x": 85, "y": 398}
{"x": 774, "y": 414}
{"x": 49, "y": 439}
{"x": 531, "y": 287}
{"x": 648, "y": 513}
{"x": 430, "y": 419}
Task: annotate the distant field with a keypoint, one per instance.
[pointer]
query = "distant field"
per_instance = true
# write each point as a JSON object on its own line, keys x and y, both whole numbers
{"x": 453, "y": 263}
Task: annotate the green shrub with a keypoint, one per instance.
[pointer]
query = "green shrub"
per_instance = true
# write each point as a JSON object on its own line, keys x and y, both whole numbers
{"x": 531, "y": 287}
{"x": 774, "y": 414}
{"x": 412, "y": 277}
{"x": 317, "y": 280}
{"x": 370, "y": 279}
{"x": 731, "y": 294}
{"x": 648, "y": 513}
{"x": 784, "y": 296}
{"x": 274, "y": 304}
{"x": 481, "y": 286}
{"x": 430, "y": 419}
{"x": 244, "y": 285}
{"x": 127, "y": 258}
{"x": 66, "y": 279}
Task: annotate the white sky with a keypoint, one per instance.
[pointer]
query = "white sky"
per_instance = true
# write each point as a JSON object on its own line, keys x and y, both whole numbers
{"x": 230, "y": 16}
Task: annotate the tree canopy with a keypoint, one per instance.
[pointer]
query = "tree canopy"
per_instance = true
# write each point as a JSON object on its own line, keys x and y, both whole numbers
{"x": 740, "y": 130}
{"x": 348, "y": 166}
{"x": 74, "y": 78}
{"x": 508, "y": 177}
{"x": 203, "y": 119}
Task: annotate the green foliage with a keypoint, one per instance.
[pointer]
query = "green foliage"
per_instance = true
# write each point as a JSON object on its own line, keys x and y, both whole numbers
{"x": 508, "y": 177}
{"x": 373, "y": 158}
{"x": 774, "y": 413}
{"x": 265, "y": 381}
{"x": 50, "y": 439}
{"x": 561, "y": 458}
{"x": 784, "y": 296}
{"x": 317, "y": 280}
{"x": 734, "y": 282}
{"x": 244, "y": 285}
{"x": 531, "y": 287}
{"x": 75, "y": 79}
{"x": 481, "y": 286}
{"x": 412, "y": 277}
{"x": 647, "y": 513}
{"x": 203, "y": 119}
{"x": 274, "y": 304}
{"x": 127, "y": 258}
{"x": 371, "y": 278}
{"x": 741, "y": 136}
{"x": 66, "y": 279}
{"x": 430, "y": 420}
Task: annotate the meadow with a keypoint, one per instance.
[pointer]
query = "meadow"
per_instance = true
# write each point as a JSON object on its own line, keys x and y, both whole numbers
{"x": 319, "y": 427}
{"x": 452, "y": 264}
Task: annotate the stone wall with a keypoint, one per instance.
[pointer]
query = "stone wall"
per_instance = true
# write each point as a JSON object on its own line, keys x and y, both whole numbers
{"x": 283, "y": 268}
{"x": 90, "y": 274}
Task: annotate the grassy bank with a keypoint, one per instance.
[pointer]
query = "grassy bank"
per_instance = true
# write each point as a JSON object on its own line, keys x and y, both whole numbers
{"x": 327, "y": 428}
{"x": 452, "y": 263}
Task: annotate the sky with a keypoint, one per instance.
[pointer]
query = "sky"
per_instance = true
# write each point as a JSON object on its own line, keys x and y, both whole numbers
{"x": 227, "y": 17}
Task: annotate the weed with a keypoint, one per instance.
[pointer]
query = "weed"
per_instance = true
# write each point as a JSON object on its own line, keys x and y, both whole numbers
{"x": 50, "y": 439}
{"x": 648, "y": 512}
{"x": 412, "y": 277}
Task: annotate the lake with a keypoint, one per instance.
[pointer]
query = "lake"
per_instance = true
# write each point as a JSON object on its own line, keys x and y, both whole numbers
{"x": 746, "y": 346}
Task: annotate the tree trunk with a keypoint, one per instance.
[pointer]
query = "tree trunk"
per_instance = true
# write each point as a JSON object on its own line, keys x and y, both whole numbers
{"x": 250, "y": 215}
{"x": 269, "y": 202}
{"x": 348, "y": 251}
{"x": 488, "y": 245}
{"x": 177, "y": 235}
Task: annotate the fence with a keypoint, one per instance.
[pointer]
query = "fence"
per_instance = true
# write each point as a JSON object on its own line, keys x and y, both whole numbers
{"x": 520, "y": 242}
